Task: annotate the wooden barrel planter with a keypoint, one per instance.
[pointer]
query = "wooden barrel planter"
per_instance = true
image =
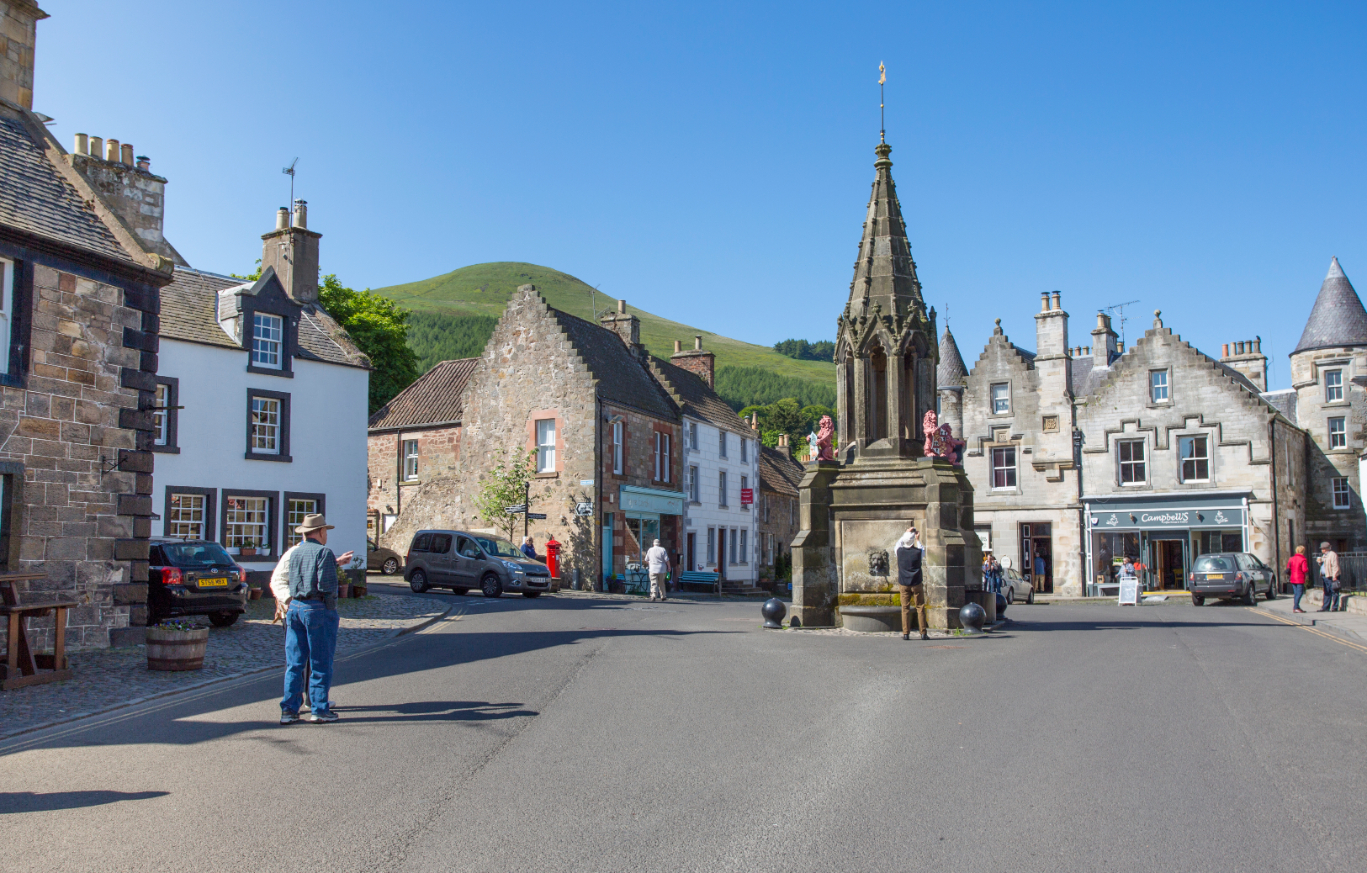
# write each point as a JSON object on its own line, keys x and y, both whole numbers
{"x": 176, "y": 649}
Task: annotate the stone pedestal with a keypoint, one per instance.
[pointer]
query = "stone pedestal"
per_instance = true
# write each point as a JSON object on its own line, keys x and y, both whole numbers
{"x": 814, "y": 575}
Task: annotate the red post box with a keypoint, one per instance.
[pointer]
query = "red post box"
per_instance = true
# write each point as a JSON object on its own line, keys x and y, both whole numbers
{"x": 553, "y": 557}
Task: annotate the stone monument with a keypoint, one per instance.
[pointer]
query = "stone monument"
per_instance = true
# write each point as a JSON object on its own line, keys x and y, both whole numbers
{"x": 855, "y": 506}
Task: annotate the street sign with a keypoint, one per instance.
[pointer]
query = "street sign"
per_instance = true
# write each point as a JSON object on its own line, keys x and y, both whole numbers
{"x": 747, "y": 496}
{"x": 583, "y": 509}
{"x": 536, "y": 515}
{"x": 514, "y": 510}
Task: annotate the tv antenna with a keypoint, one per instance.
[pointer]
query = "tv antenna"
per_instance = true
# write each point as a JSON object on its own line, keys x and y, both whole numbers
{"x": 593, "y": 301}
{"x": 1118, "y": 310}
{"x": 289, "y": 171}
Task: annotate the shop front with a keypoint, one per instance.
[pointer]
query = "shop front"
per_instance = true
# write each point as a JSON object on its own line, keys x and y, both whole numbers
{"x": 1162, "y": 534}
{"x": 645, "y": 515}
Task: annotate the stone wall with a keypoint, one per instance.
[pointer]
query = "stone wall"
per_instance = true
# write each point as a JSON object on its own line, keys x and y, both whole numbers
{"x": 1345, "y": 528}
{"x": 438, "y": 454}
{"x": 779, "y": 520}
{"x": 136, "y": 196}
{"x": 18, "y": 32}
{"x": 638, "y": 469}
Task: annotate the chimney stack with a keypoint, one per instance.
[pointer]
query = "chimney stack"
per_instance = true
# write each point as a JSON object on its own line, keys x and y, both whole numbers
{"x": 1051, "y": 329}
{"x": 1248, "y": 359}
{"x": 783, "y": 441}
{"x": 128, "y": 187}
{"x": 18, "y": 38}
{"x": 698, "y": 361}
{"x": 625, "y": 325}
{"x": 1104, "y": 341}
{"x": 293, "y": 253}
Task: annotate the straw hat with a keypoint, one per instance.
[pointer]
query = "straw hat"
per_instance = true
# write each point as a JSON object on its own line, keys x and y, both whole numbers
{"x": 313, "y": 523}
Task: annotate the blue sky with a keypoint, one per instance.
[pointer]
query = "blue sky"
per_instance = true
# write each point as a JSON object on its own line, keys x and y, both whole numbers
{"x": 711, "y": 162}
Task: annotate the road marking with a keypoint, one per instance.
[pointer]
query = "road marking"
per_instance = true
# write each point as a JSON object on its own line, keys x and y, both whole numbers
{"x": 1314, "y": 630}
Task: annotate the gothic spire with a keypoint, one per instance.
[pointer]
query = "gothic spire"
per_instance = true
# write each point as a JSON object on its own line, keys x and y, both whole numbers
{"x": 885, "y": 273}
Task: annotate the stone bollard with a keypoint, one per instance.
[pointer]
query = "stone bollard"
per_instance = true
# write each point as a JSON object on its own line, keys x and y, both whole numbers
{"x": 773, "y": 612}
{"x": 972, "y": 617}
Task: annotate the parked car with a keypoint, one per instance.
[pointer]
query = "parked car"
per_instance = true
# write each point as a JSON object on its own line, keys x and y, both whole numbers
{"x": 387, "y": 561}
{"x": 1015, "y": 585}
{"x": 194, "y": 577}
{"x": 1230, "y": 575}
{"x": 460, "y": 561}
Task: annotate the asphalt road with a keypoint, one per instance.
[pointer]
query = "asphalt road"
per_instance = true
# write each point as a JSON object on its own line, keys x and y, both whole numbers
{"x": 602, "y": 735}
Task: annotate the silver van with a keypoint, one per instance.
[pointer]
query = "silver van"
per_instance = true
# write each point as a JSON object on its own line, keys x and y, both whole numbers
{"x": 460, "y": 561}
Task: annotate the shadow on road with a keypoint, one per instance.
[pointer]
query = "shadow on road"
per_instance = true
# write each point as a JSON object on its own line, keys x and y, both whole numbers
{"x": 28, "y": 801}
{"x": 433, "y": 710}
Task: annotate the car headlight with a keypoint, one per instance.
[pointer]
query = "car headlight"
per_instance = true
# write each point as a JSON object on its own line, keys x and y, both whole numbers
{"x": 514, "y": 566}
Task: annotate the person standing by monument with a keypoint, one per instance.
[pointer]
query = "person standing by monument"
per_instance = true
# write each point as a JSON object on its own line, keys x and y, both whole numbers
{"x": 910, "y": 582}
{"x": 657, "y": 563}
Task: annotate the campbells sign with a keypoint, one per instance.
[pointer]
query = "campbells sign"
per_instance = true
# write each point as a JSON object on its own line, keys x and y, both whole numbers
{"x": 1155, "y": 518}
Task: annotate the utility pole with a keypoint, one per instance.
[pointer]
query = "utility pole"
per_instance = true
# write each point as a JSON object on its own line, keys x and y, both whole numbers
{"x": 527, "y": 508}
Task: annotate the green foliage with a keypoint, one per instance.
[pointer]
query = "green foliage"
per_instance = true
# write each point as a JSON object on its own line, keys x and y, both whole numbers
{"x": 439, "y": 336}
{"x": 380, "y": 329}
{"x": 744, "y": 386}
{"x": 505, "y": 485}
{"x": 785, "y": 416}
{"x": 801, "y": 350}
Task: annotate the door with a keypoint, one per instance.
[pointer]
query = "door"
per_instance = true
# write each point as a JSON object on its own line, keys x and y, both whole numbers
{"x": 465, "y": 563}
{"x": 1169, "y": 563}
{"x": 441, "y": 560}
{"x": 607, "y": 549}
{"x": 690, "y": 564}
{"x": 721, "y": 552}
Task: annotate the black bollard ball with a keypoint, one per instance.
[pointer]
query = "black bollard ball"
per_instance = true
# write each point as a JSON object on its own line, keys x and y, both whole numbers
{"x": 972, "y": 617}
{"x": 773, "y": 612}
{"x": 1001, "y": 605}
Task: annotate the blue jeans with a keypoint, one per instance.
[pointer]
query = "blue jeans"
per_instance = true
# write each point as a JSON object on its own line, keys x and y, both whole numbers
{"x": 1331, "y": 596}
{"x": 310, "y": 636}
{"x": 1297, "y": 592}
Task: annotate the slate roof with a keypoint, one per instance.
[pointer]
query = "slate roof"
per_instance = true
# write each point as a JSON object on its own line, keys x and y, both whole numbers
{"x": 1284, "y": 401}
{"x": 622, "y": 378}
{"x": 778, "y": 471}
{"x": 436, "y": 398}
{"x": 951, "y": 372}
{"x": 696, "y": 399}
{"x": 1337, "y": 318}
{"x": 36, "y": 198}
{"x": 189, "y": 311}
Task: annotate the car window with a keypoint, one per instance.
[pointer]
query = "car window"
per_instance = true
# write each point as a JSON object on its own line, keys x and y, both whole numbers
{"x": 441, "y": 543}
{"x": 499, "y": 548}
{"x": 420, "y": 542}
{"x": 370, "y": 545}
{"x": 1213, "y": 564}
{"x": 192, "y": 556}
{"x": 156, "y": 557}
{"x": 467, "y": 547}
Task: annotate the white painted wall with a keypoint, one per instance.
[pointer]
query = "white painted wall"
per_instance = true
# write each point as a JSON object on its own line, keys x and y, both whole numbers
{"x": 328, "y": 413}
{"x": 698, "y": 517}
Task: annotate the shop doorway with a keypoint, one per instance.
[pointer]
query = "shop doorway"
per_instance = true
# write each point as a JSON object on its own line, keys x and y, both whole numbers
{"x": 607, "y": 549}
{"x": 721, "y": 553}
{"x": 690, "y": 561}
{"x": 1169, "y": 564}
{"x": 1037, "y": 555}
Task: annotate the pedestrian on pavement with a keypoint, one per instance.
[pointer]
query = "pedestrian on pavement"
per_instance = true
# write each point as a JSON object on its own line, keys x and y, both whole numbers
{"x": 1297, "y": 568}
{"x": 1329, "y": 574}
{"x": 529, "y": 549}
{"x": 992, "y": 573}
{"x": 657, "y": 563}
{"x": 1040, "y": 570}
{"x": 909, "y": 552}
{"x": 311, "y": 622}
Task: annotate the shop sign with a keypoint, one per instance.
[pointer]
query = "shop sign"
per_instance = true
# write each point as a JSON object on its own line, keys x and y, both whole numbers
{"x": 747, "y": 497}
{"x": 636, "y": 499}
{"x": 1160, "y": 519}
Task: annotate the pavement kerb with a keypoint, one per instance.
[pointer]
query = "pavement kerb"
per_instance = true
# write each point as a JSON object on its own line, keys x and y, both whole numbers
{"x": 219, "y": 680}
{"x": 1347, "y": 626}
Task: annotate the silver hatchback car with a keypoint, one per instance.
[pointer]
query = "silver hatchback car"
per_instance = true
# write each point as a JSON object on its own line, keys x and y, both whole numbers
{"x": 460, "y": 561}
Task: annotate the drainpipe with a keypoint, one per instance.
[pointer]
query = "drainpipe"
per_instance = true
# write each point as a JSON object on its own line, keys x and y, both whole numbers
{"x": 1277, "y": 563}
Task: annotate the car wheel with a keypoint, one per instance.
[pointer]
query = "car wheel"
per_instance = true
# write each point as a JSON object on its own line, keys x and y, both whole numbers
{"x": 418, "y": 581}
{"x": 1272, "y": 590}
{"x": 223, "y": 619}
{"x": 1251, "y": 595}
{"x": 1197, "y": 600}
{"x": 390, "y": 566}
{"x": 1010, "y": 596}
{"x": 531, "y": 595}
{"x": 491, "y": 586}
{"x": 461, "y": 592}
{"x": 1030, "y": 598}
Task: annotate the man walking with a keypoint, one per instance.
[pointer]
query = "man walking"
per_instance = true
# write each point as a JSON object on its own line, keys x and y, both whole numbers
{"x": 311, "y": 623}
{"x": 1329, "y": 573}
{"x": 657, "y": 562}
{"x": 909, "y": 582}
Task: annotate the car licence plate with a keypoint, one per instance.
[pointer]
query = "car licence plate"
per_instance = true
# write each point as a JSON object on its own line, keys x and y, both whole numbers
{"x": 216, "y": 582}
{"x": 1215, "y": 575}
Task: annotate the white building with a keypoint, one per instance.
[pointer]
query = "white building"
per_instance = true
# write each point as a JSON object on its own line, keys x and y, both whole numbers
{"x": 720, "y": 461}
{"x": 264, "y": 407}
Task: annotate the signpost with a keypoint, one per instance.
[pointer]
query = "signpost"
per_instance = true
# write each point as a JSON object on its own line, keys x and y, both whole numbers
{"x": 514, "y": 510}
{"x": 537, "y": 515}
{"x": 583, "y": 509}
{"x": 1129, "y": 591}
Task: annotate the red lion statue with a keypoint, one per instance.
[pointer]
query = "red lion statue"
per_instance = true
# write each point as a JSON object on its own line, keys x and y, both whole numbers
{"x": 940, "y": 441}
{"x": 825, "y": 432}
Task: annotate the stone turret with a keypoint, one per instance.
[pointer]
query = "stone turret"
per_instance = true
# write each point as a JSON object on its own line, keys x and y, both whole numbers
{"x": 949, "y": 378}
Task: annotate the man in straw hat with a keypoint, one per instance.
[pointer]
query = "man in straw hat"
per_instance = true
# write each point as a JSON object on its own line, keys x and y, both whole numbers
{"x": 311, "y": 622}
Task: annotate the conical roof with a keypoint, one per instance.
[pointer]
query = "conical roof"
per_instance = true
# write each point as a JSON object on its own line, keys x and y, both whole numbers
{"x": 951, "y": 372}
{"x": 885, "y": 273}
{"x": 1338, "y": 318}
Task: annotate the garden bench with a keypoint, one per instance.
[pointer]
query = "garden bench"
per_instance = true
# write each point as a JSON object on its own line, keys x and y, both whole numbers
{"x": 699, "y": 577}
{"x": 22, "y": 667}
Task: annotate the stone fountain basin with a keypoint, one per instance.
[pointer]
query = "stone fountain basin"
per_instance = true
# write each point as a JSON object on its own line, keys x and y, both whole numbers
{"x": 872, "y": 619}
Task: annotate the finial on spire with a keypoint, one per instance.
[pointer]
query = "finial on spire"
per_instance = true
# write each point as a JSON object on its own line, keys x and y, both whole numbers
{"x": 882, "y": 125}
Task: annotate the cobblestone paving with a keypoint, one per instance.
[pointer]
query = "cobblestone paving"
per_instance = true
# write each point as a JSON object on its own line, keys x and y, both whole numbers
{"x": 109, "y": 678}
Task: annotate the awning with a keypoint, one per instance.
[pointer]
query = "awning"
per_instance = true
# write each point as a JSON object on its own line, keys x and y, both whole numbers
{"x": 1165, "y": 511}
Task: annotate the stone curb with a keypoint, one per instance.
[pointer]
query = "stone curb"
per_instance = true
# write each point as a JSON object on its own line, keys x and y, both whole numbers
{"x": 231, "y": 677}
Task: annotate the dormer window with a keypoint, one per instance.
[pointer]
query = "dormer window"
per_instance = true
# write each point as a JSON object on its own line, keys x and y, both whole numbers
{"x": 268, "y": 340}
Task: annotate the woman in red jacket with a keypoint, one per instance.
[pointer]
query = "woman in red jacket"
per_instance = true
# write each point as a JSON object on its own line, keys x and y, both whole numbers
{"x": 1297, "y": 568}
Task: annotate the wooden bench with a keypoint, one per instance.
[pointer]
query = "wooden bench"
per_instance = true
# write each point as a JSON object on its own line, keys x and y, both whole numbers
{"x": 22, "y": 667}
{"x": 699, "y": 577}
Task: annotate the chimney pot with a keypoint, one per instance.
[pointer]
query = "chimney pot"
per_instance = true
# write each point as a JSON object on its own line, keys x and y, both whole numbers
{"x": 1089, "y": 350}
{"x": 783, "y": 441}
{"x": 1257, "y": 345}
{"x": 282, "y": 218}
{"x": 96, "y": 147}
{"x": 301, "y": 214}
{"x": 1057, "y": 304}
{"x": 678, "y": 347}
{"x": 622, "y": 306}
{"x": 1101, "y": 320}
{"x": 1044, "y": 302}
{"x": 1224, "y": 350}
{"x": 126, "y": 154}
{"x": 697, "y": 343}
{"x": 144, "y": 163}
{"x": 82, "y": 144}
{"x": 111, "y": 151}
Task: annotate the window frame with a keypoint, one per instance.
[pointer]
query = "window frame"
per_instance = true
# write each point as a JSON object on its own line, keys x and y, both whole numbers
{"x": 721, "y": 443}
{"x": 617, "y": 434}
{"x": 744, "y": 552}
{"x": 744, "y": 483}
{"x": 693, "y": 436}
{"x": 1121, "y": 462}
{"x": 210, "y": 497}
{"x": 1338, "y": 373}
{"x": 271, "y": 525}
{"x": 721, "y": 489}
{"x": 547, "y": 462}
{"x": 731, "y": 548}
{"x": 18, "y": 282}
{"x": 170, "y": 417}
{"x": 1335, "y": 492}
{"x": 711, "y": 547}
{"x": 283, "y": 456}
{"x": 1340, "y": 435}
{"x": 8, "y": 314}
{"x": 280, "y": 343}
{"x": 405, "y": 456}
{"x": 744, "y": 450}
{"x": 694, "y": 486}
{"x": 1196, "y": 460}
{"x": 992, "y": 398}
{"x": 1011, "y": 472}
{"x": 287, "y": 533}
{"x": 1166, "y": 387}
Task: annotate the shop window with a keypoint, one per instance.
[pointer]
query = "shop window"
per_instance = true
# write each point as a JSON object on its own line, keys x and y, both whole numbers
{"x": 1132, "y": 467}
{"x": 1333, "y": 386}
{"x": 1001, "y": 398}
{"x": 545, "y": 445}
{"x": 1004, "y": 467}
{"x": 617, "y": 449}
{"x": 410, "y": 460}
{"x": 1194, "y": 452}
{"x": 268, "y": 339}
{"x": 1342, "y": 497}
{"x": 1210, "y": 542}
{"x": 1338, "y": 433}
{"x": 1158, "y": 386}
{"x": 721, "y": 488}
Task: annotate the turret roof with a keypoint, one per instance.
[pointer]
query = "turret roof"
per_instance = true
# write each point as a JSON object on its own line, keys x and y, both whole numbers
{"x": 885, "y": 272}
{"x": 951, "y": 372}
{"x": 1338, "y": 318}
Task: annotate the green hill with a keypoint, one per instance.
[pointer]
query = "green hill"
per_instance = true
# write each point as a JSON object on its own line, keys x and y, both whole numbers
{"x": 484, "y": 290}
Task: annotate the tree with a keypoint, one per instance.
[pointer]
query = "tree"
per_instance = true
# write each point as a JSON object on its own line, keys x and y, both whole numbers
{"x": 380, "y": 329}
{"x": 505, "y": 485}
